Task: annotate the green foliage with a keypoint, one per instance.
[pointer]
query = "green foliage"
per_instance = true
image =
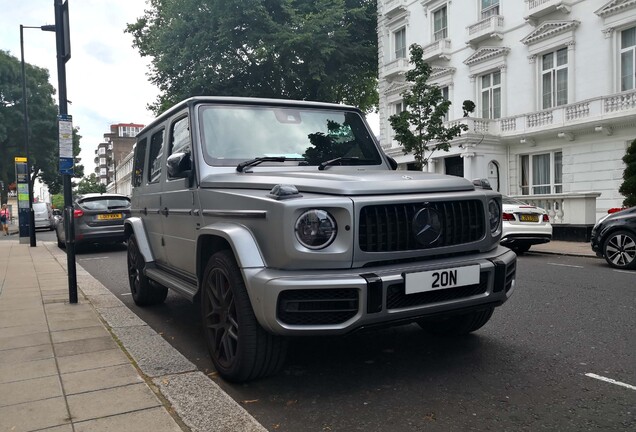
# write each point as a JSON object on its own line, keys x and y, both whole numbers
{"x": 628, "y": 188}
{"x": 421, "y": 123}
{"x": 468, "y": 107}
{"x": 43, "y": 131}
{"x": 90, "y": 184}
{"x": 57, "y": 201}
{"x": 323, "y": 50}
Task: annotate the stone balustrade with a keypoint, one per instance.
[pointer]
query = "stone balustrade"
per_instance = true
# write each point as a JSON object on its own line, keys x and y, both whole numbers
{"x": 575, "y": 208}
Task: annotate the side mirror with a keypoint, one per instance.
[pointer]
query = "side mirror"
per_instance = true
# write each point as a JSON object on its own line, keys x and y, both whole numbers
{"x": 179, "y": 165}
{"x": 482, "y": 183}
{"x": 392, "y": 163}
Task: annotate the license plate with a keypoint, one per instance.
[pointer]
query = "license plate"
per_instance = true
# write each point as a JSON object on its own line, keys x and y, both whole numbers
{"x": 529, "y": 218}
{"x": 111, "y": 216}
{"x": 441, "y": 279}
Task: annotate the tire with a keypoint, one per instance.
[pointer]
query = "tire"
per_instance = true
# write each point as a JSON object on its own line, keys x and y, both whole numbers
{"x": 619, "y": 250}
{"x": 240, "y": 348}
{"x": 457, "y": 325}
{"x": 520, "y": 249}
{"x": 144, "y": 292}
{"x": 61, "y": 244}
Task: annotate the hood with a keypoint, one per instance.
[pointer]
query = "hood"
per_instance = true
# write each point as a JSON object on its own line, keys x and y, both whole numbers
{"x": 374, "y": 182}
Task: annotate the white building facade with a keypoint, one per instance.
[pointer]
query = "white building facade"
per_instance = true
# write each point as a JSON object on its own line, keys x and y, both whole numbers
{"x": 554, "y": 86}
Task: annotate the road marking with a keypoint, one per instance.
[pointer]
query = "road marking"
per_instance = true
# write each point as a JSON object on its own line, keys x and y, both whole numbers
{"x": 125, "y": 294}
{"x": 93, "y": 258}
{"x": 611, "y": 381}
{"x": 624, "y": 271}
{"x": 565, "y": 265}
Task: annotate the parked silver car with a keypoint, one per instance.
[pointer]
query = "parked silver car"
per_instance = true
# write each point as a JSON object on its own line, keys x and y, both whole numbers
{"x": 43, "y": 215}
{"x": 285, "y": 218}
{"x": 97, "y": 218}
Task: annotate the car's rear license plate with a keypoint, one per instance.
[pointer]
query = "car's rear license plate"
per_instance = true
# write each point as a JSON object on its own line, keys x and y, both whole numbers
{"x": 529, "y": 218}
{"x": 441, "y": 279}
{"x": 111, "y": 216}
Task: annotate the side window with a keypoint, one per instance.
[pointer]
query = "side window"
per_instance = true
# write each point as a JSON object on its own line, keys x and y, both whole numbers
{"x": 180, "y": 136}
{"x": 138, "y": 164}
{"x": 154, "y": 159}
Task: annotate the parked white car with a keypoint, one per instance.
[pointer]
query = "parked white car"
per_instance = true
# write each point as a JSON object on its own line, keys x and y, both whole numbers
{"x": 524, "y": 225}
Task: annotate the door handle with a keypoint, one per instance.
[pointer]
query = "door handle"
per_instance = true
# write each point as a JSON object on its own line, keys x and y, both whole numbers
{"x": 164, "y": 211}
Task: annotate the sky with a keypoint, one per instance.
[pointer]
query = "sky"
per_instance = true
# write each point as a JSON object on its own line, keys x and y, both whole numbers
{"x": 106, "y": 78}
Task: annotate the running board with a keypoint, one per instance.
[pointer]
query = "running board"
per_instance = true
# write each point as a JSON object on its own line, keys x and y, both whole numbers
{"x": 172, "y": 282}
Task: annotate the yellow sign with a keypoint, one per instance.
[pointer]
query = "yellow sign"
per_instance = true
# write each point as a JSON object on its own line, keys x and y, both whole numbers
{"x": 20, "y": 159}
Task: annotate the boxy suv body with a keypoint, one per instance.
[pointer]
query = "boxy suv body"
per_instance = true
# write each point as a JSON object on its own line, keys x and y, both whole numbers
{"x": 285, "y": 218}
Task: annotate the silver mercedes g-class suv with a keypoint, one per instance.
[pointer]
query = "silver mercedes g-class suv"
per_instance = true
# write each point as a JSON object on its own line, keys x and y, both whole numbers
{"x": 285, "y": 218}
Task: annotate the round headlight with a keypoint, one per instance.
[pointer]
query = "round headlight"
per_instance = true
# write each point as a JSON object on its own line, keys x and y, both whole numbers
{"x": 494, "y": 215}
{"x": 316, "y": 229}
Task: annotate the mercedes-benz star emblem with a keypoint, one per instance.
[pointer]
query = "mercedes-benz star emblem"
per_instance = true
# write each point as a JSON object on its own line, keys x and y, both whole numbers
{"x": 427, "y": 226}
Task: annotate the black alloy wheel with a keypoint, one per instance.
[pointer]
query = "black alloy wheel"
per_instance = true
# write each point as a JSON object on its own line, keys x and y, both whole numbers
{"x": 144, "y": 291}
{"x": 239, "y": 347}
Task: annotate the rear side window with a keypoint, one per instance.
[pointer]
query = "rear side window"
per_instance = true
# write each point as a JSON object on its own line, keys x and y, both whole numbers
{"x": 138, "y": 164}
{"x": 154, "y": 159}
{"x": 105, "y": 203}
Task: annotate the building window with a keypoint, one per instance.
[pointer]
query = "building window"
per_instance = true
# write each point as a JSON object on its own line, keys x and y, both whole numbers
{"x": 554, "y": 78}
{"x": 491, "y": 95}
{"x": 628, "y": 59}
{"x": 489, "y": 8}
{"x": 440, "y": 24}
{"x": 399, "y": 39}
{"x": 102, "y": 161}
{"x": 102, "y": 150}
{"x": 399, "y": 107}
{"x": 541, "y": 173}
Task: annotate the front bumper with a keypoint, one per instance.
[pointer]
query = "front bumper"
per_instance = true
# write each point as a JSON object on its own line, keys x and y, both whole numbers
{"x": 338, "y": 302}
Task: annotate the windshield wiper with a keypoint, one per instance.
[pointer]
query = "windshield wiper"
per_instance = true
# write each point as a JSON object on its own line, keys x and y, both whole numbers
{"x": 257, "y": 161}
{"x": 356, "y": 159}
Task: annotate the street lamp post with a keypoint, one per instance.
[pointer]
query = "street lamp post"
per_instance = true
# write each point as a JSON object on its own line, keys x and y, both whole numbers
{"x": 50, "y": 28}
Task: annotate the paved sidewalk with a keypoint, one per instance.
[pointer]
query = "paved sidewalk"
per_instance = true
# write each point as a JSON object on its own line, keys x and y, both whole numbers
{"x": 92, "y": 366}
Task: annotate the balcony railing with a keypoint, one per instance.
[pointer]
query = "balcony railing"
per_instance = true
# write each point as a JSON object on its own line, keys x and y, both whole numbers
{"x": 576, "y": 208}
{"x": 599, "y": 109}
{"x": 537, "y": 8}
{"x": 396, "y": 67}
{"x": 486, "y": 28}
{"x": 394, "y": 7}
{"x": 438, "y": 49}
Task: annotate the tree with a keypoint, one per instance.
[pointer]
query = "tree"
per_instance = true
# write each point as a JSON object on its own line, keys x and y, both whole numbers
{"x": 422, "y": 122}
{"x": 628, "y": 188}
{"x": 90, "y": 184}
{"x": 43, "y": 131}
{"x": 323, "y": 50}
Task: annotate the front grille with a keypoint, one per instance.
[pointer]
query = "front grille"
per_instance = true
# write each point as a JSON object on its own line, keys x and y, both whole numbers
{"x": 389, "y": 228}
{"x": 317, "y": 306}
{"x": 397, "y": 299}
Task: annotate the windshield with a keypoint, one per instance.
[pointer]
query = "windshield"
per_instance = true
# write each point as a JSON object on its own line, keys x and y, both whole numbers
{"x": 234, "y": 134}
{"x": 512, "y": 201}
{"x": 104, "y": 203}
{"x": 39, "y": 207}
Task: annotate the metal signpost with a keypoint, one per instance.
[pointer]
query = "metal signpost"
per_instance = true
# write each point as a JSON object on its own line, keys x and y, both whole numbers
{"x": 63, "y": 43}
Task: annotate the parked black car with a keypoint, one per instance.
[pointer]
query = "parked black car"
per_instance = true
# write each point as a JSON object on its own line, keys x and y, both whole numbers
{"x": 98, "y": 218}
{"x": 614, "y": 238}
